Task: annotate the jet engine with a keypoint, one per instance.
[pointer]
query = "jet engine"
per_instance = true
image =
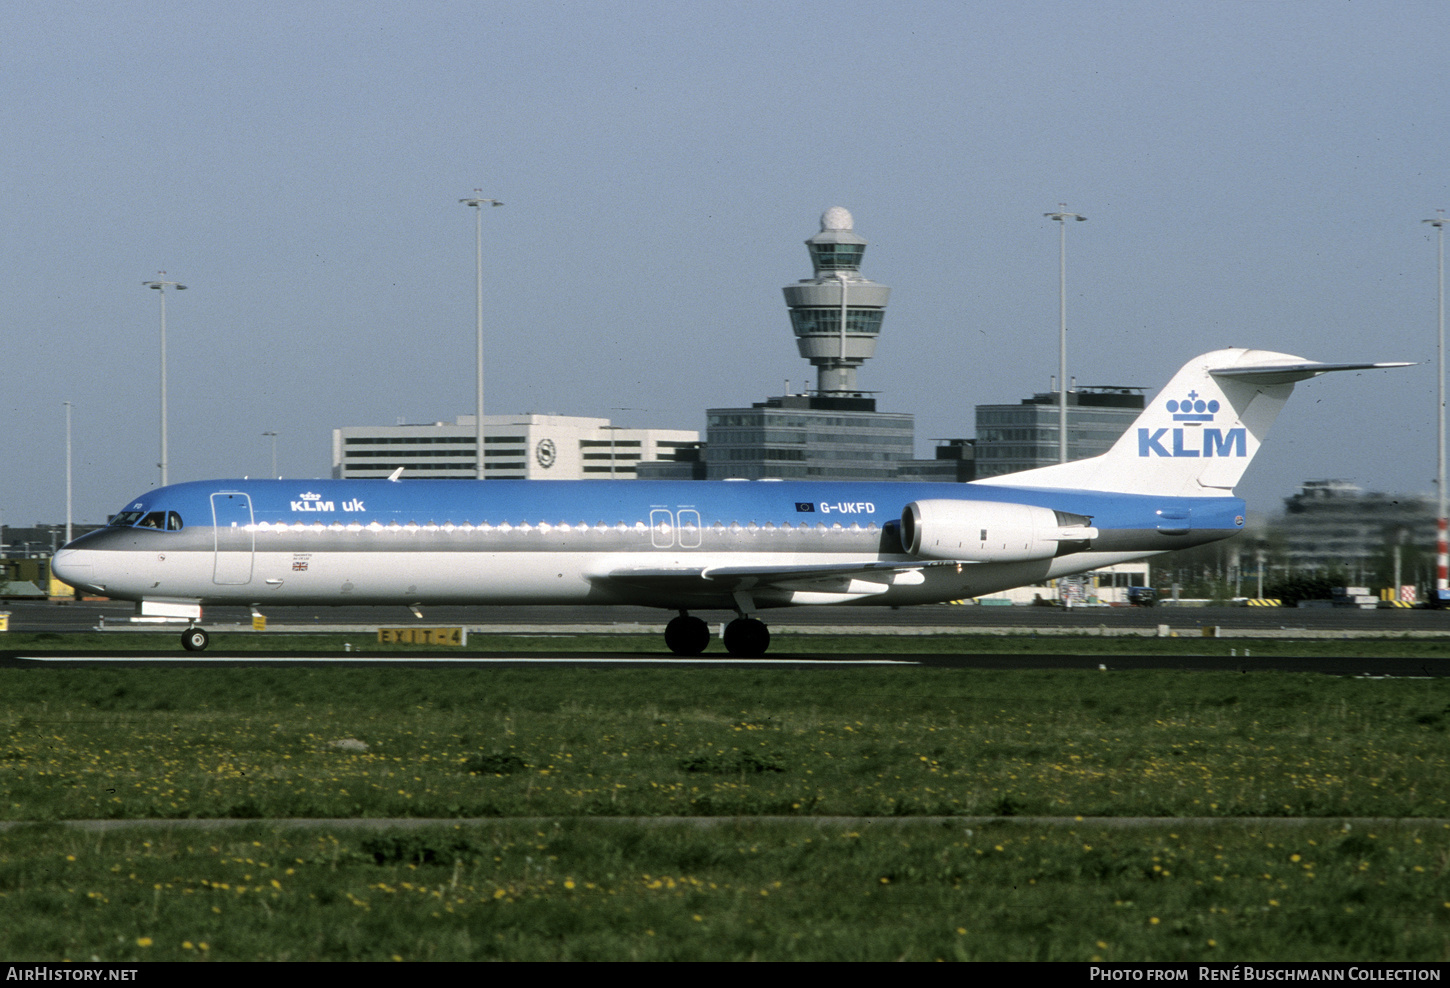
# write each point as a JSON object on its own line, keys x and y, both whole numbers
{"x": 991, "y": 531}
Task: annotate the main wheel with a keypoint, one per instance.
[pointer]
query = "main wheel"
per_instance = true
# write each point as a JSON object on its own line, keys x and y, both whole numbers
{"x": 687, "y": 635}
{"x": 195, "y": 639}
{"x": 747, "y": 638}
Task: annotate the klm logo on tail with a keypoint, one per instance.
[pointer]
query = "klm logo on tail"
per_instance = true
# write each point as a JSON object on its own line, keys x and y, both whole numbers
{"x": 1193, "y": 442}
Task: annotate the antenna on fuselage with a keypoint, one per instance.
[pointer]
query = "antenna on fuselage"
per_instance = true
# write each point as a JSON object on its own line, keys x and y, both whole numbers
{"x": 395, "y": 475}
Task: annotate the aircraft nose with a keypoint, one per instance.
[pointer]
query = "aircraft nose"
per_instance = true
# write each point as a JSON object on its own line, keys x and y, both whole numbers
{"x": 75, "y": 568}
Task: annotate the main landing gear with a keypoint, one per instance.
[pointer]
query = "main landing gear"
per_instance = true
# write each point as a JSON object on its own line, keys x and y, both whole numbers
{"x": 687, "y": 635}
{"x": 195, "y": 639}
{"x": 745, "y": 637}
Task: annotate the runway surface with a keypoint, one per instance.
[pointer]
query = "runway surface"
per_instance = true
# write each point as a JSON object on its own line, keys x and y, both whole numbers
{"x": 941, "y": 620}
{"x": 926, "y": 619}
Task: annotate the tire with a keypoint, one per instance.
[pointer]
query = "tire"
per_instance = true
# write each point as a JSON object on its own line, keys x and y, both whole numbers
{"x": 747, "y": 638}
{"x": 195, "y": 639}
{"x": 687, "y": 635}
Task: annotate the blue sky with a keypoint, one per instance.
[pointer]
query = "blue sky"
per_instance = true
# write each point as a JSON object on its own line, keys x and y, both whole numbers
{"x": 1254, "y": 174}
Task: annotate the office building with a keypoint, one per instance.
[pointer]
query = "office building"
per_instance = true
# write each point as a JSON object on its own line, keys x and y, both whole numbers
{"x": 1333, "y": 526}
{"x": 1018, "y": 437}
{"x": 516, "y": 447}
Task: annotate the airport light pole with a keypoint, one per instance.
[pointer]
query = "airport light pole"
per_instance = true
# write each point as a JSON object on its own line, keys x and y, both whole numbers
{"x": 1062, "y": 216}
{"x": 67, "y": 474}
{"x": 274, "y": 452}
{"x": 161, "y": 285}
{"x": 477, "y": 202}
{"x": 1442, "y": 552}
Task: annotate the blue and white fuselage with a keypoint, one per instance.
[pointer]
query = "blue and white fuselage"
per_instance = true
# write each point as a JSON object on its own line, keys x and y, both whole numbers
{"x": 675, "y": 544}
{"x": 687, "y": 545}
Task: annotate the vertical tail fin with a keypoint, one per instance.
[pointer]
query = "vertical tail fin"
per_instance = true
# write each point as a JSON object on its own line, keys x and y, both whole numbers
{"x": 1198, "y": 435}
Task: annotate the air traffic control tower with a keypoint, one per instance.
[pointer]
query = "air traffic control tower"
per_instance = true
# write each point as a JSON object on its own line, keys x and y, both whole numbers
{"x": 837, "y": 314}
{"x": 835, "y": 433}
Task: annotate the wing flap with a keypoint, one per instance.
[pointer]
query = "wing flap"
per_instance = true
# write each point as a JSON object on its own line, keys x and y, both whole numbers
{"x": 862, "y": 578}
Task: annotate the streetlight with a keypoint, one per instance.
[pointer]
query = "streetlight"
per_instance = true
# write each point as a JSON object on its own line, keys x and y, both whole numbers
{"x": 1062, "y": 216}
{"x": 274, "y": 453}
{"x": 1442, "y": 556}
{"x": 477, "y": 202}
{"x": 161, "y": 285}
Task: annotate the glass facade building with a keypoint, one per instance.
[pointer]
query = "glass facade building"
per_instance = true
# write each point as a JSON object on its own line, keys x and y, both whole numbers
{"x": 1018, "y": 437}
{"x": 807, "y": 436}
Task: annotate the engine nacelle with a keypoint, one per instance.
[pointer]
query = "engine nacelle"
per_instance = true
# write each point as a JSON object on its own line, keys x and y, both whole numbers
{"x": 991, "y": 531}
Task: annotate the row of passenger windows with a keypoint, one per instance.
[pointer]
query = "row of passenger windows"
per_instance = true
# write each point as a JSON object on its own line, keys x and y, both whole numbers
{"x": 171, "y": 521}
{"x": 545, "y": 527}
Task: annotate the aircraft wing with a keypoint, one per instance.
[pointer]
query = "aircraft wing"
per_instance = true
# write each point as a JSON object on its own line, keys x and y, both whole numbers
{"x": 858, "y": 578}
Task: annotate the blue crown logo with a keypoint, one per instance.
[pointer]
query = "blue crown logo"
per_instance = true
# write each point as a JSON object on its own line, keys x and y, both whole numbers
{"x": 1193, "y": 409}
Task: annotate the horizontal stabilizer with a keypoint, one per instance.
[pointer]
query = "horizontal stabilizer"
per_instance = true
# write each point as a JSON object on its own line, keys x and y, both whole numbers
{"x": 1289, "y": 373}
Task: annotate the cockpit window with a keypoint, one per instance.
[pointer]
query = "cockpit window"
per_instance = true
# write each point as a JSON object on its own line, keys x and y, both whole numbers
{"x": 168, "y": 521}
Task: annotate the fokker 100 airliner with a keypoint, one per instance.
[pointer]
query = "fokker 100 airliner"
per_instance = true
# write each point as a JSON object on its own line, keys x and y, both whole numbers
{"x": 699, "y": 545}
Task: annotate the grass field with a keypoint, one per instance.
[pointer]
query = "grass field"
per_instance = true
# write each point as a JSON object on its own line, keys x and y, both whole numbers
{"x": 594, "y": 890}
{"x": 775, "y": 751}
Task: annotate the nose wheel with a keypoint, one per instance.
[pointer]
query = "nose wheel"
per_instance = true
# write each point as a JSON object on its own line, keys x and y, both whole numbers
{"x": 195, "y": 639}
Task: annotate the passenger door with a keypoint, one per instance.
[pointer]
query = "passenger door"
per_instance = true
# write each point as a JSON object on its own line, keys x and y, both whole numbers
{"x": 231, "y": 513}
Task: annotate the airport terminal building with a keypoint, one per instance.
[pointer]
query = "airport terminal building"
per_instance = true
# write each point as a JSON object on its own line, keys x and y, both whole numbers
{"x": 515, "y": 447}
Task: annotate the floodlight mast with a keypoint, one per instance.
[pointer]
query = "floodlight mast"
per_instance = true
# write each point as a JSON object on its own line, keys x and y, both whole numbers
{"x": 477, "y": 202}
{"x": 68, "y": 525}
{"x": 1062, "y": 216}
{"x": 160, "y": 285}
{"x": 273, "y": 434}
{"x": 1442, "y": 549}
